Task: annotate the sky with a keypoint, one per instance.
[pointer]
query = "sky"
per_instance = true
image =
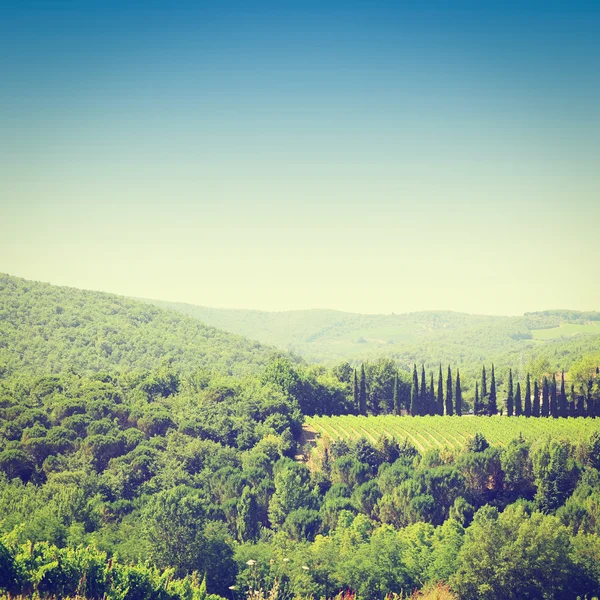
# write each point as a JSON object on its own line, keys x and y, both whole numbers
{"x": 363, "y": 156}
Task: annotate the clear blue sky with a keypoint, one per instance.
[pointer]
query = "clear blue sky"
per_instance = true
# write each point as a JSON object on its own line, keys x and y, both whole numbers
{"x": 366, "y": 156}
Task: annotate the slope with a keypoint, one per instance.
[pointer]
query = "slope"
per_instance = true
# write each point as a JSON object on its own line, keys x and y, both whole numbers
{"x": 46, "y": 328}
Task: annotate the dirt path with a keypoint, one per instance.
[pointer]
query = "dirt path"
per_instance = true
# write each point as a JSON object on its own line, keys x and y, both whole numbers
{"x": 308, "y": 440}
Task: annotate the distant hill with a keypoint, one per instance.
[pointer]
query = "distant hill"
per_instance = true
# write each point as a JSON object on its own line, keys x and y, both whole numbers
{"x": 46, "y": 328}
{"x": 429, "y": 337}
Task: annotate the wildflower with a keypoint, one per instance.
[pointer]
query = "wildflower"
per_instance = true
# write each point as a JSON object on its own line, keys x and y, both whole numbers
{"x": 305, "y": 568}
{"x": 251, "y": 563}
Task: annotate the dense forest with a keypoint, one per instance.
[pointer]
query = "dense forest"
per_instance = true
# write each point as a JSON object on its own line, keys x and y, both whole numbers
{"x": 173, "y": 466}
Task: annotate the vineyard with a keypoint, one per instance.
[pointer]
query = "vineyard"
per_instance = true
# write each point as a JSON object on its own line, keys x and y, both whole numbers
{"x": 427, "y": 433}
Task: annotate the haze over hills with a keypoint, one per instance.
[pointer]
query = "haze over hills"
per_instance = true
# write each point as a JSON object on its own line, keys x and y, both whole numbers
{"x": 329, "y": 335}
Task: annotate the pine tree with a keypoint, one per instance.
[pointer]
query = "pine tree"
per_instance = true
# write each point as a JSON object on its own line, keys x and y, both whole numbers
{"x": 527, "y": 404}
{"x": 423, "y": 398}
{"x": 362, "y": 392}
{"x": 510, "y": 401}
{"x": 536, "y": 400}
{"x": 493, "y": 403}
{"x": 563, "y": 406}
{"x": 553, "y": 398}
{"x": 458, "y": 398}
{"x": 449, "y": 407}
{"x": 356, "y": 393}
{"x": 476, "y": 408}
{"x": 414, "y": 394}
{"x": 440, "y": 393}
{"x": 545, "y": 397}
{"x": 518, "y": 404}
{"x": 432, "y": 406}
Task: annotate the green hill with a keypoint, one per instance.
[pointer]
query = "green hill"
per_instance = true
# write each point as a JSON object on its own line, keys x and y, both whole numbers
{"x": 46, "y": 328}
{"x": 422, "y": 337}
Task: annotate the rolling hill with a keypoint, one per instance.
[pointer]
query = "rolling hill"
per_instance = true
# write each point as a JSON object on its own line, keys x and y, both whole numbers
{"x": 46, "y": 328}
{"x": 422, "y": 337}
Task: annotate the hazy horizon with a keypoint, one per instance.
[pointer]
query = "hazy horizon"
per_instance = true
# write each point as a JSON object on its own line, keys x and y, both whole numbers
{"x": 365, "y": 157}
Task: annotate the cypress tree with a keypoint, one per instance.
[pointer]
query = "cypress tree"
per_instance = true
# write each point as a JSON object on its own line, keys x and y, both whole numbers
{"x": 362, "y": 392}
{"x": 440, "y": 393}
{"x": 423, "y": 397}
{"x": 247, "y": 521}
{"x": 510, "y": 401}
{"x": 527, "y": 404}
{"x": 432, "y": 405}
{"x": 483, "y": 384}
{"x": 397, "y": 408}
{"x": 449, "y": 407}
{"x": 356, "y": 393}
{"x": 536, "y": 400}
{"x": 493, "y": 404}
{"x": 414, "y": 394}
{"x": 545, "y": 397}
{"x": 458, "y": 399}
{"x": 476, "y": 408}
{"x": 572, "y": 403}
{"x": 563, "y": 407}
{"x": 553, "y": 398}
{"x": 518, "y": 405}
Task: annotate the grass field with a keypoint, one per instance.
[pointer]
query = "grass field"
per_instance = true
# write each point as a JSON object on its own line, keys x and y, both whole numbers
{"x": 564, "y": 330}
{"x": 451, "y": 432}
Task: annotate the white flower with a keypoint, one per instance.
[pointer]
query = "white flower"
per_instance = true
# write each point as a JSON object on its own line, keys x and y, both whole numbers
{"x": 286, "y": 560}
{"x": 251, "y": 563}
{"x": 305, "y": 568}
{"x": 232, "y": 587}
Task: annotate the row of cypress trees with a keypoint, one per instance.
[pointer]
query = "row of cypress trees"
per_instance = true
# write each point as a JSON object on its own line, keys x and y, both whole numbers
{"x": 547, "y": 399}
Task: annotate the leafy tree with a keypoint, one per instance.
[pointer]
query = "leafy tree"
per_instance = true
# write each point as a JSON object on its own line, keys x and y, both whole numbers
{"x": 292, "y": 491}
{"x": 247, "y": 516}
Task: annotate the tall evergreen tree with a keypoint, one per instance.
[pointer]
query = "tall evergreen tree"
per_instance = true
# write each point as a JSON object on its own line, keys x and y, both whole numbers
{"x": 356, "y": 393}
{"x": 423, "y": 397}
{"x": 518, "y": 403}
{"x": 572, "y": 402}
{"x": 458, "y": 394}
{"x": 493, "y": 402}
{"x": 414, "y": 394}
{"x": 247, "y": 522}
{"x": 553, "y": 398}
{"x": 440, "y": 393}
{"x": 397, "y": 407}
{"x": 563, "y": 405}
{"x": 536, "y": 400}
{"x": 476, "y": 407}
{"x": 510, "y": 400}
{"x": 527, "y": 401}
{"x": 432, "y": 405}
{"x": 483, "y": 384}
{"x": 449, "y": 406}
{"x": 545, "y": 397}
{"x": 362, "y": 392}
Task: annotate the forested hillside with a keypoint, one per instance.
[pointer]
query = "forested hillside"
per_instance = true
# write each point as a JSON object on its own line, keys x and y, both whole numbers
{"x": 145, "y": 455}
{"x": 423, "y": 337}
{"x": 50, "y": 329}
